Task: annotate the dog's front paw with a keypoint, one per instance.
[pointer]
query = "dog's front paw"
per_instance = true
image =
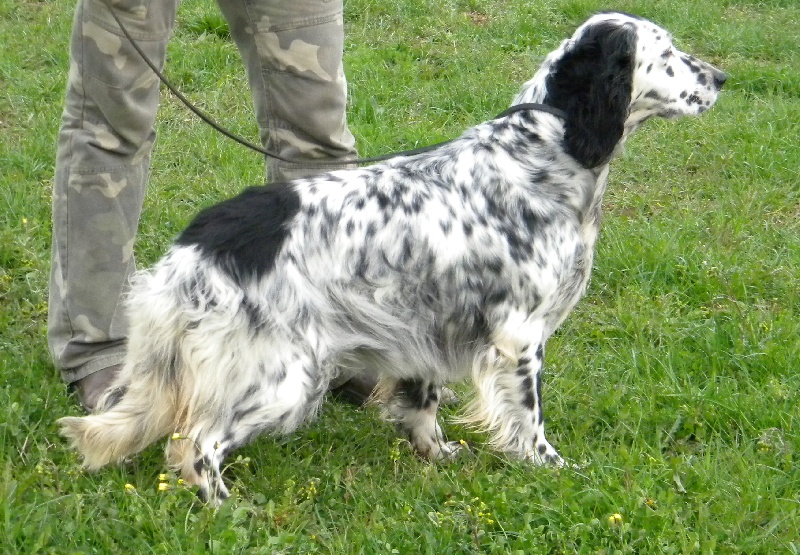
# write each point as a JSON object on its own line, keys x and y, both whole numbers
{"x": 436, "y": 449}
{"x": 545, "y": 454}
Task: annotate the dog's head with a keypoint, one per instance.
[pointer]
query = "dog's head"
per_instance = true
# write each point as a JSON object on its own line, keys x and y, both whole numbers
{"x": 617, "y": 71}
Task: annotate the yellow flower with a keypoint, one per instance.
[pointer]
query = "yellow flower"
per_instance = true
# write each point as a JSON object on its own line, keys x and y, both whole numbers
{"x": 24, "y": 221}
{"x": 162, "y": 477}
{"x": 163, "y": 486}
{"x": 176, "y": 435}
{"x": 129, "y": 488}
{"x": 615, "y": 519}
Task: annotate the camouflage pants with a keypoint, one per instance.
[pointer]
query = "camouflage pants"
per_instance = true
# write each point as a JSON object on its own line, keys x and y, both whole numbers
{"x": 292, "y": 51}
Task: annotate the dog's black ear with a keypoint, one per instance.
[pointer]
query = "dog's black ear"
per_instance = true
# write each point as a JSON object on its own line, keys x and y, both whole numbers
{"x": 592, "y": 84}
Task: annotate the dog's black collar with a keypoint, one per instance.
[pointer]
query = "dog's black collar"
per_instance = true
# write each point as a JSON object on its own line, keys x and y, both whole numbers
{"x": 525, "y": 106}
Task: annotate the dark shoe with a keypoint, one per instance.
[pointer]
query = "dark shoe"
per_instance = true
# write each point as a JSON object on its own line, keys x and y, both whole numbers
{"x": 91, "y": 387}
{"x": 357, "y": 390}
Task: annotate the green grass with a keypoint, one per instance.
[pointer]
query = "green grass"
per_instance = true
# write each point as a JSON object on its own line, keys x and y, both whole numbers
{"x": 675, "y": 381}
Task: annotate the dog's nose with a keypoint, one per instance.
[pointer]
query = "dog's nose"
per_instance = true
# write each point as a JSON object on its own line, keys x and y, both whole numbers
{"x": 719, "y": 78}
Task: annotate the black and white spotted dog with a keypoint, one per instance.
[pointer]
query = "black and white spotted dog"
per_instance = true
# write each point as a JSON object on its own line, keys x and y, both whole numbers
{"x": 426, "y": 269}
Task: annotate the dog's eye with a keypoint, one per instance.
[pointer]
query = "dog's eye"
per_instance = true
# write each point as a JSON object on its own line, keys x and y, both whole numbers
{"x": 667, "y": 53}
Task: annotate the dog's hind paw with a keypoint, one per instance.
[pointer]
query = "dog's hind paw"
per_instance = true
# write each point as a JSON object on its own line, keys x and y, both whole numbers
{"x": 545, "y": 454}
{"x": 451, "y": 450}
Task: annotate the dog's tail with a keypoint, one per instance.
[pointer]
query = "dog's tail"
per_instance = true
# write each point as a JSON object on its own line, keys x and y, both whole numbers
{"x": 139, "y": 418}
{"x": 142, "y": 404}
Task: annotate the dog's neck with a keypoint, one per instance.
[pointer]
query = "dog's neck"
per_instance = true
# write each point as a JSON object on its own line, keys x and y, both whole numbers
{"x": 535, "y": 90}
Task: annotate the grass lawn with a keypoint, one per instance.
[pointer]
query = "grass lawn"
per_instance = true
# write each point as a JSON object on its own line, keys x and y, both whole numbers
{"x": 675, "y": 383}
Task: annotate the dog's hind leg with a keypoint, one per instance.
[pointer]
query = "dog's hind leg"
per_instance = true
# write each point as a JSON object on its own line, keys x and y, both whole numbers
{"x": 412, "y": 405}
{"x": 198, "y": 457}
{"x": 509, "y": 382}
{"x": 276, "y": 399}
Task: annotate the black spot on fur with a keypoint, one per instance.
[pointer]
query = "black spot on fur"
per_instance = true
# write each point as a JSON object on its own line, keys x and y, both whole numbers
{"x": 540, "y": 414}
{"x": 467, "y": 226}
{"x": 689, "y": 61}
{"x": 447, "y": 226}
{"x": 407, "y": 250}
{"x": 433, "y": 395}
{"x": 498, "y": 296}
{"x": 528, "y": 400}
{"x": 416, "y": 204}
{"x": 242, "y": 413}
{"x": 476, "y": 327}
{"x": 551, "y": 459}
{"x": 417, "y": 394}
{"x": 254, "y": 317}
{"x": 518, "y": 248}
{"x": 383, "y": 200}
{"x": 245, "y": 234}
{"x": 495, "y": 266}
{"x": 592, "y": 83}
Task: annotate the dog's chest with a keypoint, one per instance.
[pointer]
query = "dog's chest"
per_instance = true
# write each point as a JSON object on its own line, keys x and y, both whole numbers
{"x": 571, "y": 248}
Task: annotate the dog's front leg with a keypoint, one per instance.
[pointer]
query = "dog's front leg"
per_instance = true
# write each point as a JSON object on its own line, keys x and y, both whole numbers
{"x": 509, "y": 383}
{"x": 412, "y": 405}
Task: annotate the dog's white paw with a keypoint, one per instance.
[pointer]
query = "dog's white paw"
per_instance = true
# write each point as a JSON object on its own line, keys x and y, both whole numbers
{"x": 545, "y": 454}
{"x": 436, "y": 449}
{"x": 451, "y": 450}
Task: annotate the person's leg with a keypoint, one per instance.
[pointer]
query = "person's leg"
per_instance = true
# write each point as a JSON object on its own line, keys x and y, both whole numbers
{"x": 102, "y": 164}
{"x": 292, "y": 52}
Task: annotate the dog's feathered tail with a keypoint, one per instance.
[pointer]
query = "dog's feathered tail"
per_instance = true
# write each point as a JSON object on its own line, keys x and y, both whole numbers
{"x": 142, "y": 416}
{"x": 143, "y": 403}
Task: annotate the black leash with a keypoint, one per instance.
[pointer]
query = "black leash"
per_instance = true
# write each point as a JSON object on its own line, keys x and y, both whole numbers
{"x": 358, "y": 161}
